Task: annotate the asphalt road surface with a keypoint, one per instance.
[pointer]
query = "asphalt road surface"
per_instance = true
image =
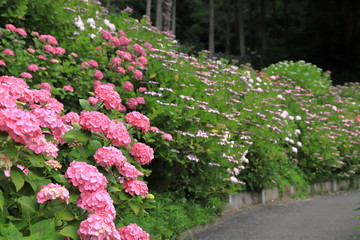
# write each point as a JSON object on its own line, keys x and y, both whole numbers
{"x": 326, "y": 217}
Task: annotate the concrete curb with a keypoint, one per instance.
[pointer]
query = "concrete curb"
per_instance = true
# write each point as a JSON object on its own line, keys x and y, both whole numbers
{"x": 243, "y": 200}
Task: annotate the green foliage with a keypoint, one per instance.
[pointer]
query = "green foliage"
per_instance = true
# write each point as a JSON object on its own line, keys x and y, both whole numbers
{"x": 304, "y": 74}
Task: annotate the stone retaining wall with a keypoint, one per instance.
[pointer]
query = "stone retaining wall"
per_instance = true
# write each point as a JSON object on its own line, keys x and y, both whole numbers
{"x": 246, "y": 199}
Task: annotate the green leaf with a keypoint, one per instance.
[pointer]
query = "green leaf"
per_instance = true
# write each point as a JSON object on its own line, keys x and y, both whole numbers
{"x": 46, "y": 228}
{"x": 28, "y": 206}
{"x": 17, "y": 179}
{"x": 134, "y": 207}
{"x": 76, "y": 134}
{"x": 65, "y": 214}
{"x": 70, "y": 231}
{"x": 85, "y": 104}
{"x": 123, "y": 196}
{"x": 11, "y": 233}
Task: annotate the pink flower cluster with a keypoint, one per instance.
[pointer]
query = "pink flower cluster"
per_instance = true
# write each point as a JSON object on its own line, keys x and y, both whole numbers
{"x": 107, "y": 94}
{"x": 53, "y": 191}
{"x": 93, "y": 198}
{"x": 19, "y": 31}
{"x": 53, "y": 164}
{"x": 109, "y": 156}
{"x": 142, "y": 153}
{"x": 48, "y": 39}
{"x": 138, "y": 120}
{"x": 133, "y": 232}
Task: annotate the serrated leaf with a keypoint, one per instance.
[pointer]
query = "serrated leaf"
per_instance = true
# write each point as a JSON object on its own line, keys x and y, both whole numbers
{"x": 134, "y": 207}
{"x": 11, "y": 232}
{"x": 69, "y": 231}
{"x": 85, "y": 104}
{"x": 46, "y": 228}
{"x": 65, "y": 214}
{"x": 17, "y": 179}
{"x": 28, "y": 206}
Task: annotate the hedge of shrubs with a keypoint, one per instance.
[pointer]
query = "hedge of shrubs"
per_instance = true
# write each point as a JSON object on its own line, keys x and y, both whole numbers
{"x": 102, "y": 112}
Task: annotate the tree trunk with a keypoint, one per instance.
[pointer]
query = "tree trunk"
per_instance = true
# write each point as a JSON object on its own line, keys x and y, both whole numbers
{"x": 262, "y": 31}
{"x": 158, "y": 23}
{"x": 166, "y": 15}
{"x": 173, "y": 16}
{"x": 211, "y": 28}
{"x": 241, "y": 28}
{"x": 148, "y": 8}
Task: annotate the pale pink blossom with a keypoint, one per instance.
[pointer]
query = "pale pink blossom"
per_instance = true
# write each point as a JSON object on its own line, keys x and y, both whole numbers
{"x": 71, "y": 117}
{"x": 108, "y": 95}
{"x": 45, "y": 85}
{"x": 118, "y": 134}
{"x": 68, "y": 88}
{"x": 8, "y": 52}
{"x": 98, "y": 75}
{"x": 33, "y": 67}
{"x": 98, "y": 226}
{"x": 2, "y": 62}
{"x": 53, "y": 191}
{"x": 31, "y": 50}
{"x": 94, "y": 121}
{"x": 167, "y": 136}
{"x": 132, "y": 103}
{"x": 21, "y": 31}
{"x": 10, "y": 27}
{"x": 121, "y": 70}
{"x": 128, "y": 86}
{"x": 138, "y": 75}
{"x": 48, "y": 39}
{"x": 109, "y": 156}
{"x": 25, "y": 75}
{"x": 53, "y": 164}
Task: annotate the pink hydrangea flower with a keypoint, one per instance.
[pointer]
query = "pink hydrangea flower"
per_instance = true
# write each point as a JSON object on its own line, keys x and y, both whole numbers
{"x": 71, "y": 117}
{"x": 98, "y": 201}
{"x": 49, "y": 49}
{"x": 98, "y": 226}
{"x": 118, "y": 134}
{"x": 108, "y": 95}
{"x": 6, "y": 100}
{"x": 142, "y": 153}
{"x": 45, "y": 85}
{"x": 132, "y": 103}
{"x": 54, "y": 105}
{"x": 8, "y": 52}
{"x": 33, "y": 67}
{"x": 142, "y": 89}
{"x": 60, "y": 50}
{"x": 124, "y": 41}
{"x": 116, "y": 61}
{"x": 358, "y": 118}
{"x": 52, "y": 191}
{"x": 109, "y": 156}
{"x": 129, "y": 171}
{"x": 68, "y": 88}
{"x": 133, "y": 232}
{"x": 42, "y": 57}
{"x": 142, "y": 61}
{"x": 138, "y": 75}
{"x": 93, "y": 101}
{"x": 74, "y": 54}
{"x": 136, "y": 187}
{"x": 21, "y": 31}
{"x": 125, "y": 55}
{"x": 10, "y": 27}
{"x": 85, "y": 176}
{"x": 138, "y": 120}
{"x": 94, "y": 121}
{"x": 48, "y": 39}
{"x": 31, "y": 50}
{"x": 121, "y": 70}
{"x": 167, "y": 136}
{"x": 53, "y": 164}
{"x": 128, "y": 86}
{"x": 140, "y": 100}
{"x": 130, "y": 68}
{"x": 154, "y": 129}
{"x": 138, "y": 49}
{"x": 54, "y": 60}
{"x": 93, "y": 63}
{"x": 2, "y": 62}
{"x": 26, "y": 75}
{"x": 98, "y": 75}
{"x": 106, "y": 34}
{"x": 16, "y": 87}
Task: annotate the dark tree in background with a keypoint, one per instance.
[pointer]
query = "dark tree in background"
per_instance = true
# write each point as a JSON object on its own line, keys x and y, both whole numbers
{"x": 323, "y": 32}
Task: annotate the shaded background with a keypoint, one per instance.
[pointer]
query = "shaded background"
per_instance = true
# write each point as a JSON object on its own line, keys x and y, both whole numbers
{"x": 323, "y": 32}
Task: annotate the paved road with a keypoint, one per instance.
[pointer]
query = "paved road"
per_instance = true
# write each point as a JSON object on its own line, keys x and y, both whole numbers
{"x": 327, "y": 217}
